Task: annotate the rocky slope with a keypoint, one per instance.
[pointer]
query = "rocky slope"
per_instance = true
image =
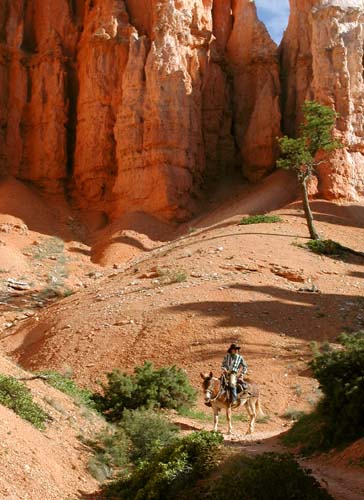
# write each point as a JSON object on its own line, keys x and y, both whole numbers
{"x": 50, "y": 464}
{"x": 133, "y": 104}
{"x": 182, "y": 301}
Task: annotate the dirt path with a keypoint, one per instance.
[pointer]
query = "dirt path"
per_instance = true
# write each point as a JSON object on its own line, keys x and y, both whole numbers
{"x": 342, "y": 481}
{"x": 333, "y": 470}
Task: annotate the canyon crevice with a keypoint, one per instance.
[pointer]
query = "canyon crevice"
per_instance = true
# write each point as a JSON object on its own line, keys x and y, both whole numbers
{"x": 132, "y": 105}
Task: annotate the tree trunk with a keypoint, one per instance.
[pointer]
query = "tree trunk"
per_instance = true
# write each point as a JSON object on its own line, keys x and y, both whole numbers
{"x": 306, "y": 207}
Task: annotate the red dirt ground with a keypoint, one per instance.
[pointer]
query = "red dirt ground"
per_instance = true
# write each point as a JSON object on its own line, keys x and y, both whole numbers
{"x": 149, "y": 291}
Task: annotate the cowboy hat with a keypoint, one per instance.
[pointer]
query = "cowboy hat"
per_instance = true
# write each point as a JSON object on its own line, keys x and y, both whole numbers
{"x": 234, "y": 346}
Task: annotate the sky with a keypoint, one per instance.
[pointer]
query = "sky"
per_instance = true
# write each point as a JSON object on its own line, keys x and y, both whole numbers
{"x": 274, "y": 14}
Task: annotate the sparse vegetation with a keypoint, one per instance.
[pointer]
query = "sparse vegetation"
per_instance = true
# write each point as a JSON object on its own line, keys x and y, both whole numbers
{"x": 340, "y": 373}
{"x": 176, "y": 467}
{"x": 293, "y": 414}
{"x": 308, "y": 432}
{"x": 111, "y": 450}
{"x": 65, "y": 384}
{"x": 330, "y": 247}
{"x": 51, "y": 249}
{"x": 169, "y": 276}
{"x": 339, "y": 416}
{"x": 148, "y": 431}
{"x": 194, "y": 414}
{"x": 270, "y": 476}
{"x": 325, "y": 247}
{"x": 166, "y": 387}
{"x": 300, "y": 154}
{"x": 53, "y": 246}
{"x": 139, "y": 436}
{"x": 16, "y": 396}
{"x": 260, "y": 219}
{"x": 176, "y": 472}
{"x": 298, "y": 390}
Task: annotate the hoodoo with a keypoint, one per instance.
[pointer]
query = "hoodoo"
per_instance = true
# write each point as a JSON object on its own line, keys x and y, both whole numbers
{"x": 130, "y": 105}
{"x": 322, "y": 59}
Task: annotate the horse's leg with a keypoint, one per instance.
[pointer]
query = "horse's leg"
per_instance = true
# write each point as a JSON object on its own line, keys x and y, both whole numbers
{"x": 216, "y": 417}
{"x": 250, "y": 406}
{"x": 228, "y": 418}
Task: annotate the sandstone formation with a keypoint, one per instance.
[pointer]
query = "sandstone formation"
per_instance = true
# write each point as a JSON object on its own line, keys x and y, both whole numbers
{"x": 322, "y": 59}
{"x": 130, "y": 105}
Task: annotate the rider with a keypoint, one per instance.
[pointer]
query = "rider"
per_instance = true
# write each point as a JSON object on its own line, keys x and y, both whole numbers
{"x": 231, "y": 364}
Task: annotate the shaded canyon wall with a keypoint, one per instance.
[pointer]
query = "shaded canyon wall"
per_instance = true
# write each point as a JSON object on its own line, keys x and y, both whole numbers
{"x": 130, "y": 105}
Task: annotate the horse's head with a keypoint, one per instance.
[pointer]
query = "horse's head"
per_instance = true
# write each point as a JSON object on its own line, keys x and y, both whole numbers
{"x": 209, "y": 386}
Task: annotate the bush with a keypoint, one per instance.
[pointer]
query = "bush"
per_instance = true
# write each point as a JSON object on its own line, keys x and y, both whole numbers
{"x": 340, "y": 373}
{"x": 166, "y": 387}
{"x": 339, "y": 416}
{"x": 325, "y": 247}
{"x": 141, "y": 434}
{"x": 177, "y": 466}
{"x": 269, "y": 476}
{"x": 16, "y": 396}
{"x": 147, "y": 431}
{"x": 260, "y": 219}
{"x": 111, "y": 449}
{"x": 170, "y": 276}
{"x": 68, "y": 386}
{"x": 308, "y": 433}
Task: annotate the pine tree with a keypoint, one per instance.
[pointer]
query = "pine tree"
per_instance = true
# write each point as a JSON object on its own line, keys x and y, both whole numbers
{"x": 300, "y": 154}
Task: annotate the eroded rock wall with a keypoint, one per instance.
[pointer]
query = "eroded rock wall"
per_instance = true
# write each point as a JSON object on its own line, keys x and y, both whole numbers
{"x": 253, "y": 60}
{"x": 38, "y": 44}
{"x": 131, "y": 104}
{"x": 322, "y": 59}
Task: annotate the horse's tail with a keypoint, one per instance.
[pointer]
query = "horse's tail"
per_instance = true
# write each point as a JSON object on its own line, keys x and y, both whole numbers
{"x": 260, "y": 412}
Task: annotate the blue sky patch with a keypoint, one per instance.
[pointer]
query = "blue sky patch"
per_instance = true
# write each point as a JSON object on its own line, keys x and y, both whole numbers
{"x": 274, "y": 14}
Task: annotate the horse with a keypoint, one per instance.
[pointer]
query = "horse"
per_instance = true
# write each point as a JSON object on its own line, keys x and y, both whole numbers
{"x": 217, "y": 395}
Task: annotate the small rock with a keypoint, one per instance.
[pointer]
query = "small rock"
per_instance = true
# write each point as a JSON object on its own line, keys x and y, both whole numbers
{"x": 17, "y": 285}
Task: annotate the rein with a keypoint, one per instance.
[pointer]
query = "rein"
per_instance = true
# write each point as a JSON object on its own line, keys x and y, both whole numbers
{"x": 219, "y": 392}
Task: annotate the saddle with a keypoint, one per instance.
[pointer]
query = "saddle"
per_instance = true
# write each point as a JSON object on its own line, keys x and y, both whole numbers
{"x": 241, "y": 386}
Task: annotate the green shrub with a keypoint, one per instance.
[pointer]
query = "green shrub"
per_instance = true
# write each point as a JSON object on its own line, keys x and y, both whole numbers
{"x": 170, "y": 276}
{"x": 166, "y": 387}
{"x": 195, "y": 414}
{"x": 325, "y": 247}
{"x": 111, "y": 450}
{"x": 16, "y": 396}
{"x": 177, "y": 466}
{"x": 269, "y": 476}
{"x": 147, "y": 431}
{"x": 308, "y": 433}
{"x": 340, "y": 373}
{"x": 259, "y": 219}
{"x": 68, "y": 386}
{"x": 339, "y": 416}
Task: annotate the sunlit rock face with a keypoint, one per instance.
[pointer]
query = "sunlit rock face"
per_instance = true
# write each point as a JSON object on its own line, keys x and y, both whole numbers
{"x": 322, "y": 59}
{"x": 183, "y": 103}
{"x": 131, "y": 105}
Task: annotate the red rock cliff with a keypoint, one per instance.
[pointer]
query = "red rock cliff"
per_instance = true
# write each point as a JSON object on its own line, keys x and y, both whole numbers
{"x": 322, "y": 59}
{"x": 130, "y": 105}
